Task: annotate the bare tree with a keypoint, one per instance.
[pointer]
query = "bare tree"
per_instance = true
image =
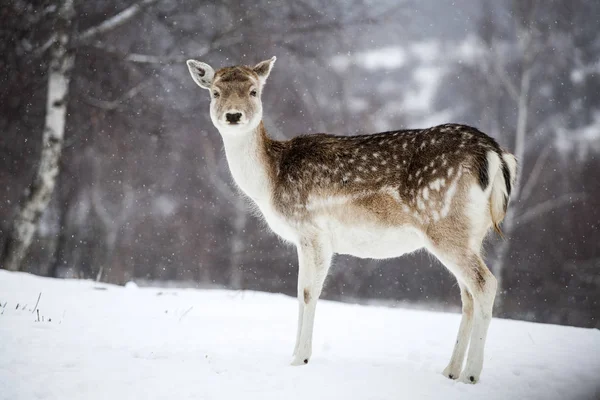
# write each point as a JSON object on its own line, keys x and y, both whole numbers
{"x": 530, "y": 44}
{"x": 39, "y": 193}
{"x": 62, "y": 58}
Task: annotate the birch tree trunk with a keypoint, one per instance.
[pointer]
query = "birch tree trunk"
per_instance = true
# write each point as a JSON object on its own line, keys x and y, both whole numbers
{"x": 40, "y": 191}
{"x": 522, "y": 100}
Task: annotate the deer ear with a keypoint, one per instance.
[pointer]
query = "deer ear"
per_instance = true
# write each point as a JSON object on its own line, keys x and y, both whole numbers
{"x": 263, "y": 69}
{"x": 202, "y": 73}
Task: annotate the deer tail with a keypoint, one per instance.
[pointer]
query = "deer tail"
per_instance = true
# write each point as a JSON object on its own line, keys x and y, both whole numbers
{"x": 502, "y": 185}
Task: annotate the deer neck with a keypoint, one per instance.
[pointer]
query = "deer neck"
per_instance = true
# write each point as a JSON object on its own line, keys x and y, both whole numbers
{"x": 249, "y": 162}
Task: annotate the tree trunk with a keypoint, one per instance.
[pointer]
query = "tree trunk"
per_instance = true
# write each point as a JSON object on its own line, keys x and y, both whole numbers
{"x": 40, "y": 191}
{"x": 236, "y": 276}
{"x": 59, "y": 259}
{"x": 522, "y": 119}
{"x": 500, "y": 261}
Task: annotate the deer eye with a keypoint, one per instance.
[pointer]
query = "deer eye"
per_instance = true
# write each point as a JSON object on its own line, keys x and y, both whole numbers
{"x": 253, "y": 93}
{"x": 216, "y": 94}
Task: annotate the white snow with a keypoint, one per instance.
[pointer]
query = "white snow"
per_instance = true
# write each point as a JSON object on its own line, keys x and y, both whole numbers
{"x": 100, "y": 341}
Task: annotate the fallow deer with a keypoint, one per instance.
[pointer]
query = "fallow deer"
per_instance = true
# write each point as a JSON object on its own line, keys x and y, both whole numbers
{"x": 371, "y": 196}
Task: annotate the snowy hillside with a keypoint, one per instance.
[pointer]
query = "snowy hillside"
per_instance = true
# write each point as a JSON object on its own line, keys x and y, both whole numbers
{"x": 97, "y": 341}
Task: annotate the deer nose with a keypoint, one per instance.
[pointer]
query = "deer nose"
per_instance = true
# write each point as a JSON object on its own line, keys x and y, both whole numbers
{"x": 233, "y": 117}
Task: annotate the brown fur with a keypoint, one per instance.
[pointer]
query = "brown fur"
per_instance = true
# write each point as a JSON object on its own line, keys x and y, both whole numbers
{"x": 405, "y": 161}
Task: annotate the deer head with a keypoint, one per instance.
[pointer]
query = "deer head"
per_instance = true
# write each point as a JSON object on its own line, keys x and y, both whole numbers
{"x": 235, "y": 93}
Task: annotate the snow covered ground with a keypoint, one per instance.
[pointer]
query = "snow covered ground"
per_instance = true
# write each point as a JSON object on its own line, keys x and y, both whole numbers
{"x": 99, "y": 341}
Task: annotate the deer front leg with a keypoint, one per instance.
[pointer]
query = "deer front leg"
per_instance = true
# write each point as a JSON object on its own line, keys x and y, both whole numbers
{"x": 314, "y": 259}
{"x": 300, "y": 317}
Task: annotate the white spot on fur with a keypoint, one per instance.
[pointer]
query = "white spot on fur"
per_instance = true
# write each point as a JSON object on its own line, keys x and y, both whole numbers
{"x": 418, "y": 217}
{"x": 437, "y": 184}
{"x": 392, "y": 192}
{"x": 450, "y": 195}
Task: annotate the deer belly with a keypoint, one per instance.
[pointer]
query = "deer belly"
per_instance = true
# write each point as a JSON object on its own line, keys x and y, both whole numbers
{"x": 375, "y": 242}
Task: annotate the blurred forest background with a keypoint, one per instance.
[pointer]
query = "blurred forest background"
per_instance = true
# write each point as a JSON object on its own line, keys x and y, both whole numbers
{"x": 144, "y": 192}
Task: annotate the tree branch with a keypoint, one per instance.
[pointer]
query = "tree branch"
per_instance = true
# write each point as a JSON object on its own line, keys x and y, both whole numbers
{"x": 115, "y": 21}
{"x": 493, "y": 65}
{"x": 535, "y": 173}
{"x": 42, "y": 49}
{"x": 148, "y": 58}
{"x": 110, "y": 105}
{"x": 549, "y": 205}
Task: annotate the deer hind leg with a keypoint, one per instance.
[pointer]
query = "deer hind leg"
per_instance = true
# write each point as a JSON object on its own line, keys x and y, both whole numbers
{"x": 453, "y": 369}
{"x": 314, "y": 259}
{"x": 483, "y": 288}
{"x": 479, "y": 287}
